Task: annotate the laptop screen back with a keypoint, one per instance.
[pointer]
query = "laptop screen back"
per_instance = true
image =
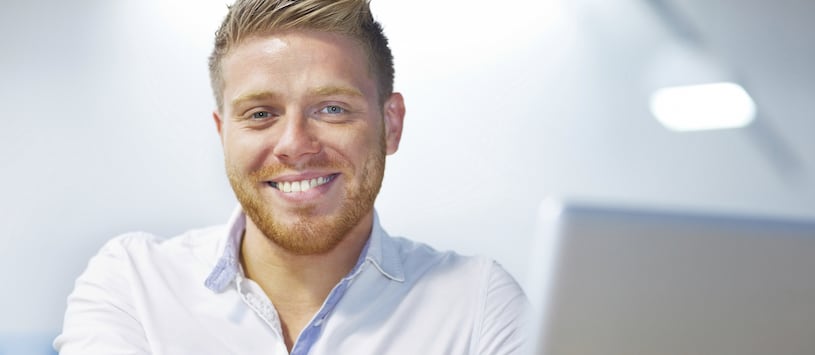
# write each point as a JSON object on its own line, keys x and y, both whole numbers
{"x": 625, "y": 281}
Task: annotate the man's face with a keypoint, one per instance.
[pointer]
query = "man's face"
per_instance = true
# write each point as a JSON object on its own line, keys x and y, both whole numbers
{"x": 305, "y": 136}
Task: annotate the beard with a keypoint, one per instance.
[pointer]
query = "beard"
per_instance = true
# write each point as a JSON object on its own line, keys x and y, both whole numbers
{"x": 311, "y": 233}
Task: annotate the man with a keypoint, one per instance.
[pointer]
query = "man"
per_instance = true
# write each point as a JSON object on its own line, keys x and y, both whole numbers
{"x": 306, "y": 114}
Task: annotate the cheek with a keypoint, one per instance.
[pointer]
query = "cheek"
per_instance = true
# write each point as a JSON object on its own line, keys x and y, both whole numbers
{"x": 354, "y": 145}
{"x": 245, "y": 152}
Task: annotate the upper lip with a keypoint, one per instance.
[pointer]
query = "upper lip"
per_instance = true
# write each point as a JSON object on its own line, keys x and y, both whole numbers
{"x": 300, "y": 176}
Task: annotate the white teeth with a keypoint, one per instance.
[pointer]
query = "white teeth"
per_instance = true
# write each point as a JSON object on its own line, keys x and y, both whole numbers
{"x": 301, "y": 186}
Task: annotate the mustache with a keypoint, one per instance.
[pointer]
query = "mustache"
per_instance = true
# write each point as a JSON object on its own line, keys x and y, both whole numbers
{"x": 267, "y": 172}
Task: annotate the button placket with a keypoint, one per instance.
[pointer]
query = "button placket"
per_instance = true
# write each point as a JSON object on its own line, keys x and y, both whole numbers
{"x": 260, "y": 305}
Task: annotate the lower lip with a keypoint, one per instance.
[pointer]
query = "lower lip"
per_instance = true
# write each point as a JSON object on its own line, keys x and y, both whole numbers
{"x": 302, "y": 196}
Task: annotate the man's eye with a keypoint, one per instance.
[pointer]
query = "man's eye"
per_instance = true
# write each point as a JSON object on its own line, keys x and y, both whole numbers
{"x": 261, "y": 115}
{"x": 332, "y": 109}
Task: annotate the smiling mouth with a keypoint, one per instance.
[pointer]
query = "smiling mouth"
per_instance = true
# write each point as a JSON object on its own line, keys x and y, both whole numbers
{"x": 303, "y": 185}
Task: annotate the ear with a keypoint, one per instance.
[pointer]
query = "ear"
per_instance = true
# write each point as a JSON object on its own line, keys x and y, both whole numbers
{"x": 218, "y": 124}
{"x": 394, "y": 117}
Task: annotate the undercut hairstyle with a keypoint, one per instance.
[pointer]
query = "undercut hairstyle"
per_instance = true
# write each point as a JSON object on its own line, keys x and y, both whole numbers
{"x": 352, "y": 18}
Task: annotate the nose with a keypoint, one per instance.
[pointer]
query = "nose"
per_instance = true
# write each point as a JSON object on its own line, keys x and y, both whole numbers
{"x": 296, "y": 140}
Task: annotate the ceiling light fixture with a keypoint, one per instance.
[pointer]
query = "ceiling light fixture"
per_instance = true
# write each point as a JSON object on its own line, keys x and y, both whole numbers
{"x": 691, "y": 88}
{"x": 703, "y": 107}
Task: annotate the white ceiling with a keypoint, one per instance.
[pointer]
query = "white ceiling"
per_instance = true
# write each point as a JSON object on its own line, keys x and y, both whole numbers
{"x": 770, "y": 46}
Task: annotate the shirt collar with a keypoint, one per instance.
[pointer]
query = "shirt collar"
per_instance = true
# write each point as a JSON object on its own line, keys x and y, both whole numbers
{"x": 228, "y": 264}
{"x": 380, "y": 250}
{"x": 384, "y": 253}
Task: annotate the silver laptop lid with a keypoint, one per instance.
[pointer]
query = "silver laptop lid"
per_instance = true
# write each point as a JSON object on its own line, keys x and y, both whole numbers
{"x": 611, "y": 280}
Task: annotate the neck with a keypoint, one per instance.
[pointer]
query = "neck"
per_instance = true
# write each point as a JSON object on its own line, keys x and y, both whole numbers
{"x": 298, "y": 285}
{"x": 294, "y": 280}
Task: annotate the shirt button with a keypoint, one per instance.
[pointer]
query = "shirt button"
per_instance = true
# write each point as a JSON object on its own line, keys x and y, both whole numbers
{"x": 318, "y": 322}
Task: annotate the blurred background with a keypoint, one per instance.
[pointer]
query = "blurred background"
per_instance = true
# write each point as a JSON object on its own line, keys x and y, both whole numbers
{"x": 106, "y": 111}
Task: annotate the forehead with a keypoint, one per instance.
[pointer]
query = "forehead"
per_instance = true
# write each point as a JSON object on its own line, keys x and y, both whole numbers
{"x": 296, "y": 60}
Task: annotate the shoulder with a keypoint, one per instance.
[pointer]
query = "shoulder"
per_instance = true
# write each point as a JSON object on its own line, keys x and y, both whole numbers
{"x": 130, "y": 273}
{"x": 202, "y": 243}
{"x": 479, "y": 276}
{"x": 129, "y": 264}
{"x": 189, "y": 239}
{"x": 477, "y": 286}
{"x": 139, "y": 257}
{"x": 420, "y": 258}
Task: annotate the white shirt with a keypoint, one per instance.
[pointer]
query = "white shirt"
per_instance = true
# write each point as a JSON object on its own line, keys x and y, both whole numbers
{"x": 188, "y": 295}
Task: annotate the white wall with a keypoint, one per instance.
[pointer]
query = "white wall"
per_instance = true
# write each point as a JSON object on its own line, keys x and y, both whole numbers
{"x": 107, "y": 129}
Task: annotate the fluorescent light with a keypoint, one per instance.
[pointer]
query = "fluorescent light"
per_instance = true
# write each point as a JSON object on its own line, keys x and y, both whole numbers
{"x": 703, "y": 107}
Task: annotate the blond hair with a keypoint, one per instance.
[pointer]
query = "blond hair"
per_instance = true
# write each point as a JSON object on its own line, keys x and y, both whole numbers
{"x": 353, "y": 18}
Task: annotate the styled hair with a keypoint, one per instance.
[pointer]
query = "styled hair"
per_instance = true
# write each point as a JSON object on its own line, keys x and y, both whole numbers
{"x": 353, "y": 18}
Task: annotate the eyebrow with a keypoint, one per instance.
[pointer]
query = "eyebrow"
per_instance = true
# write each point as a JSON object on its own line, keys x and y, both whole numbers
{"x": 253, "y": 96}
{"x": 319, "y": 91}
{"x": 335, "y": 91}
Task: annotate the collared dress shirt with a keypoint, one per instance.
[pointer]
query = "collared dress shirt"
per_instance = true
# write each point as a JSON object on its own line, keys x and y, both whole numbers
{"x": 188, "y": 295}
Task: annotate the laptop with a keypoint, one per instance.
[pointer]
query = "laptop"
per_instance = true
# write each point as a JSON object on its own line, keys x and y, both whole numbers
{"x": 620, "y": 280}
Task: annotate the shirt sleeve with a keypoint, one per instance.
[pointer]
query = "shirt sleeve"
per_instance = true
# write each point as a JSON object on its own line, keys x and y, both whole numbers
{"x": 506, "y": 308}
{"x": 100, "y": 317}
